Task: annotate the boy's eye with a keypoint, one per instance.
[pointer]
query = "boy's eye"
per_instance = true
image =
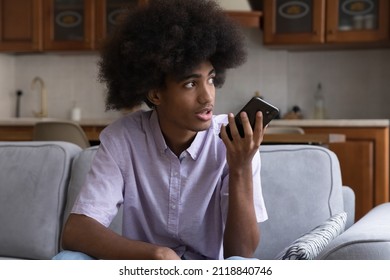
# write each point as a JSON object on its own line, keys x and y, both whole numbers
{"x": 189, "y": 85}
{"x": 211, "y": 80}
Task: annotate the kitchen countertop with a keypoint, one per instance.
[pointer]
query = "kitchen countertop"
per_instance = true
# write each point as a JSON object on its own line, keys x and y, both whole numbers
{"x": 333, "y": 123}
{"x": 32, "y": 121}
{"x": 300, "y": 123}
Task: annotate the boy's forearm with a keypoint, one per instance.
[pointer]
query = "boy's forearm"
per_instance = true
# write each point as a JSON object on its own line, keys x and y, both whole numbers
{"x": 241, "y": 235}
{"x": 86, "y": 235}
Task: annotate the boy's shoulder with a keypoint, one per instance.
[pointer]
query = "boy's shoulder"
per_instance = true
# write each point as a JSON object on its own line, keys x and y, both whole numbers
{"x": 132, "y": 121}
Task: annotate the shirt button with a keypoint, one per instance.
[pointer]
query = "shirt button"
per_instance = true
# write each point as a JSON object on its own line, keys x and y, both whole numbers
{"x": 173, "y": 207}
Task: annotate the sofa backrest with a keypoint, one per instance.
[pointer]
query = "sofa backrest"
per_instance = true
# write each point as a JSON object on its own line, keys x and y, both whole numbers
{"x": 302, "y": 188}
{"x": 34, "y": 178}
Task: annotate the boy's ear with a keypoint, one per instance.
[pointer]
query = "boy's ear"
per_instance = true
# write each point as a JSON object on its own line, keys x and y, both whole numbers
{"x": 154, "y": 97}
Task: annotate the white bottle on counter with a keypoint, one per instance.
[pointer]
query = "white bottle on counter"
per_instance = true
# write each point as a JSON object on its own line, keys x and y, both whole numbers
{"x": 319, "y": 104}
{"x": 75, "y": 114}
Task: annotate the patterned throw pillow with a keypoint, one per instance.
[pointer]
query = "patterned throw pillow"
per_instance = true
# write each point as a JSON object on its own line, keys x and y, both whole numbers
{"x": 308, "y": 246}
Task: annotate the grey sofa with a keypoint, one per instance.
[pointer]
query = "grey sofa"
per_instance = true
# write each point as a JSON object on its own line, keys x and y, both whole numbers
{"x": 301, "y": 186}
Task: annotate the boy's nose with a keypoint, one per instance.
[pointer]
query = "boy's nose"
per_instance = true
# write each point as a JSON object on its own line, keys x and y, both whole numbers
{"x": 206, "y": 94}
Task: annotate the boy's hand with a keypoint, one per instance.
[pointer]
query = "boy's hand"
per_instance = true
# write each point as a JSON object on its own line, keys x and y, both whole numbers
{"x": 240, "y": 151}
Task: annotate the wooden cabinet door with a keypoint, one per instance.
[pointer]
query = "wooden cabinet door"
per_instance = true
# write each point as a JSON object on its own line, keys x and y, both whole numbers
{"x": 357, "y": 172}
{"x": 357, "y": 21}
{"x": 20, "y": 25}
{"x": 294, "y": 22}
{"x": 69, "y": 24}
{"x": 109, "y": 13}
{"x": 364, "y": 161}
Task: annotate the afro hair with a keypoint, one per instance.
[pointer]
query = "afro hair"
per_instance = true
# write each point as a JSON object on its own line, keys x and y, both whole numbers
{"x": 166, "y": 37}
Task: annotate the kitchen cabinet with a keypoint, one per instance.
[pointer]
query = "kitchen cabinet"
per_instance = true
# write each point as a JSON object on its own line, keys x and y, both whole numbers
{"x": 357, "y": 21}
{"x": 364, "y": 161}
{"x": 68, "y": 24}
{"x": 364, "y": 156}
{"x": 108, "y": 13}
{"x": 82, "y": 24}
{"x": 20, "y": 25}
{"x": 247, "y": 18}
{"x": 326, "y": 22}
{"x": 294, "y": 22}
{"x": 71, "y": 25}
{"x": 58, "y": 25}
{"x": 21, "y": 129}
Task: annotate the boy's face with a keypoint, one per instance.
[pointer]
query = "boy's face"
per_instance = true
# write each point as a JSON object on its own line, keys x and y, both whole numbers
{"x": 185, "y": 105}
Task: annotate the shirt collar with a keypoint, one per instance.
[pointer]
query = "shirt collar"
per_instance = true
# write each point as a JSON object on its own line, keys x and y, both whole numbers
{"x": 194, "y": 148}
{"x": 197, "y": 144}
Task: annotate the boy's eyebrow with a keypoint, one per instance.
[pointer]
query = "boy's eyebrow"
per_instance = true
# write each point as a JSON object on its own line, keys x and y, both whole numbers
{"x": 194, "y": 75}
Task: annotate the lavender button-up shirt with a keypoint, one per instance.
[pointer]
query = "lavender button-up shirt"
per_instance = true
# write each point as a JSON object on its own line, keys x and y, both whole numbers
{"x": 176, "y": 202}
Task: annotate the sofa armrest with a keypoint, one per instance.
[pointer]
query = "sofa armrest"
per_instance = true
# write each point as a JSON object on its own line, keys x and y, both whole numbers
{"x": 349, "y": 205}
{"x": 367, "y": 239}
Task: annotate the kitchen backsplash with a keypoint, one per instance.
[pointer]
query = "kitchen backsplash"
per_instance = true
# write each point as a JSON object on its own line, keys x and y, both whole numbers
{"x": 355, "y": 83}
{"x": 7, "y": 86}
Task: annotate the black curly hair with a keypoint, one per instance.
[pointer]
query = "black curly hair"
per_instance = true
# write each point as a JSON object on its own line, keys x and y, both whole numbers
{"x": 167, "y": 37}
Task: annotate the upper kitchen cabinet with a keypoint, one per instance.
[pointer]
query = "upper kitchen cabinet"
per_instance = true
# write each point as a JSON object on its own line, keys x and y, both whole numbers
{"x": 68, "y": 24}
{"x": 294, "y": 22}
{"x": 58, "y": 25}
{"x": 357, "y": 21}
{"x": 20, "y": 25}
{"x": 308, "y": 22}
{"x": 109, "y": 13}
{"x": 73, "y": 25}
{"x": 246, "y": 18}
{"x": 247, "y": 13}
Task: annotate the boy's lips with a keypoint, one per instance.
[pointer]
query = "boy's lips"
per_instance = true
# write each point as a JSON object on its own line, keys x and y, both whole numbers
{"x": 205, "y": 114}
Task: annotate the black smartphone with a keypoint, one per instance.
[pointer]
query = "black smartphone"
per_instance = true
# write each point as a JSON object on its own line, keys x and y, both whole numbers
{"x": 251, "y": 108}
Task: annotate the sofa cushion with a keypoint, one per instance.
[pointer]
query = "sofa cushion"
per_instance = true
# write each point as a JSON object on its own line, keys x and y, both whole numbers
{"x": 33, "y": 184}
{"x": 308, "y": 246}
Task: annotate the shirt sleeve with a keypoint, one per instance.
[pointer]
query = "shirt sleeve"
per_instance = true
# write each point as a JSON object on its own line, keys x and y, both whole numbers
{"x": 260, "y": 209}
{"x": 102, "y": 192}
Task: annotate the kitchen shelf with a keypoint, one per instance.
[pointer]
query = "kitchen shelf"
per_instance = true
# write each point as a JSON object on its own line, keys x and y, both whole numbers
{"x": 246, "y": 18}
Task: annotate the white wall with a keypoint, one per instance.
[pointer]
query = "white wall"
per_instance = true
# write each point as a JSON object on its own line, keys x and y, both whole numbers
{"x": 355, "y": 83}
{"x": 68, "y": 79}
{"x": 234, "y": 5}
{"x": 265, "y": 71}
{"x": 7, "y": 85}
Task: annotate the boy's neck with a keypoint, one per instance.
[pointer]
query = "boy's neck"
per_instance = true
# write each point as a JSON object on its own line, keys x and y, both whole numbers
{"x": 178, "y": 144}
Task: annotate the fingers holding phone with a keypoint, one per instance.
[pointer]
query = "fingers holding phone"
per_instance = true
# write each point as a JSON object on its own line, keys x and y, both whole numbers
{"x": 231, "y": 129}
{"x": 250, "y": 131}
{"x": 259, "y": 129}
{"x": 255, "y": 105}
{"x": 246, "y": 130}
{"x": 240, "y": 150}
{"x": 244, "y": 133}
